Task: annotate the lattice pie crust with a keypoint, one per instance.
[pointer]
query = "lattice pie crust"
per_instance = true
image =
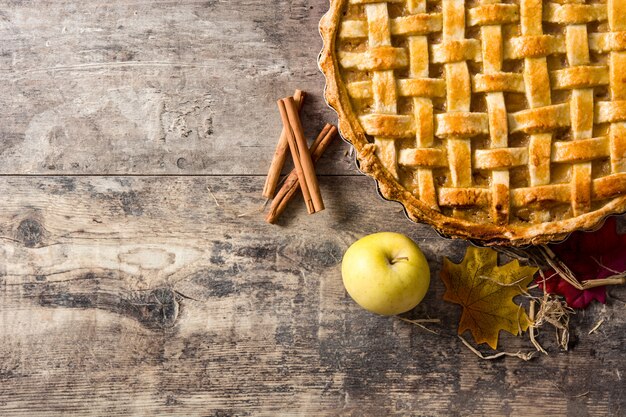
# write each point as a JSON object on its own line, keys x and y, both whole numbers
{"x": 503, "y": 122}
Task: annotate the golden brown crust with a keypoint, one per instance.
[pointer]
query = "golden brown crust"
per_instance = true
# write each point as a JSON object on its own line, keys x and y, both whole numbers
{"x": 541, "y": 117}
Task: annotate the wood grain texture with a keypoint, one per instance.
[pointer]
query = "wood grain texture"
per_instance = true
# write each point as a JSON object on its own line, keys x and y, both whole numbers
{"x": 155, "y": 87}
{"x": 152, "y": 296}
{"x": 137, "y": 276}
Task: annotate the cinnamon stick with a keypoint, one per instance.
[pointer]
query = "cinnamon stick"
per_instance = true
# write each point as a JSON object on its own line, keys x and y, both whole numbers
{"x": 308, "y": 169}
{"x": 291, "y": 184}
{"x": 280, "y": 154}
{"x": 295, "y": 155}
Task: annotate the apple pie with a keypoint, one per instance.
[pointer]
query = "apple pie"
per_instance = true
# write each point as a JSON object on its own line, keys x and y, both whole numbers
{"x": 503, "y": 122}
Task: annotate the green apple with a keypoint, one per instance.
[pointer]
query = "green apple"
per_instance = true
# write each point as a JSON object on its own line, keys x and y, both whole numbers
{"x": 385, "y": 273}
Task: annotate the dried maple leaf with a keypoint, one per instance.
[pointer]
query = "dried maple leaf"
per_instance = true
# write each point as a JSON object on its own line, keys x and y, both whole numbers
{"x": 485, "y": 291}
{"x": 589, "y": 255}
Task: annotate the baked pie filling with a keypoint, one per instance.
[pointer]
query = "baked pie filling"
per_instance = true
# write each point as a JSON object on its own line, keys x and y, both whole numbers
{"x": 503, "y": 122}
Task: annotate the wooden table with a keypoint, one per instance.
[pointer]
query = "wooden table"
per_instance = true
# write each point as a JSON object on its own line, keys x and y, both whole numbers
{"x": 138, "y": 276}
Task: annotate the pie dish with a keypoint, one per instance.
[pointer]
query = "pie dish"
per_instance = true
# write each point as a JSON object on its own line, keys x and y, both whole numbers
{"x": 499, "y": 122}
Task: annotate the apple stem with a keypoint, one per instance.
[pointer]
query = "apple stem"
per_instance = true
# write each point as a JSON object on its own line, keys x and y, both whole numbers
{"x": 396, "y": 260}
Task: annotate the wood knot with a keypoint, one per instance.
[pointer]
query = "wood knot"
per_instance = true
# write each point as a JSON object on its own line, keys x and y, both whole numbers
{"x": 30, "y": 232}
{"x": 156, "y": 309}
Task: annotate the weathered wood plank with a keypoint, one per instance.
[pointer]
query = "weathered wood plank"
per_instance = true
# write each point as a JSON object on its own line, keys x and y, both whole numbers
{"x": 145, "y": 296}
{"x": 170, "y": 296}
{"x": 158, "y": 87}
